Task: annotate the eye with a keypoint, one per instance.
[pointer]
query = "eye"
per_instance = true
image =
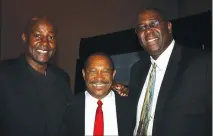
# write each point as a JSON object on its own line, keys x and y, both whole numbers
{"x": 140, "y": 28}
{"x": 106, "y": 72}
{"x": 37, "y": 35}
{"x": 91, "y": 71}
{"x": 154, "y": 24}
{"x": 51, "y": 37}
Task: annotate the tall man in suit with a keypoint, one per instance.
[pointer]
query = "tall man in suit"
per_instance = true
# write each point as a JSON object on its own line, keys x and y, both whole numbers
{"x": 171, "y": 84}
{"x": 118, "y": 114}
{"x": 33, "y": 93}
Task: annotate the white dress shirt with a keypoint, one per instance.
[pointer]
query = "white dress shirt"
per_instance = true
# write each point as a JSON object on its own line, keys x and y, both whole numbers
{"x": 109, "y": 113}
{"x": 161, "y": 63}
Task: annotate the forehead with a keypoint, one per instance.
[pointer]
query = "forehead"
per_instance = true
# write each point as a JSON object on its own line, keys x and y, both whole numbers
{"x": 148, "y": 15}
{"x": 42, "y": 25}
{"x": 98, "y": 61}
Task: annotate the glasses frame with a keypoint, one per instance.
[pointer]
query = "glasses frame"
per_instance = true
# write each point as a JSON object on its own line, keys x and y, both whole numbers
{"x": 148, "y": 26}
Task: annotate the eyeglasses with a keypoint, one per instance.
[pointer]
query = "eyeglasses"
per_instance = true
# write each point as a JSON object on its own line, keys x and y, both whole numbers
{"x": 151, "y": 24}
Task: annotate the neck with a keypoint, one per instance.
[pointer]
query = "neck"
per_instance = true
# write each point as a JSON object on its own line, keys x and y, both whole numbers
{"x": 155, "y": 57}
{"x": 38, "y": 67}
{"x": 99, "y": 97}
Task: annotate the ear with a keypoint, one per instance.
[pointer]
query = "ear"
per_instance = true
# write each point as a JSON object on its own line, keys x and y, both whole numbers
{"x": 113, "y": 75}
{"x": 83, "y": 73}
{"x": 170, "y": 27}
{"x": 24, "y": 37}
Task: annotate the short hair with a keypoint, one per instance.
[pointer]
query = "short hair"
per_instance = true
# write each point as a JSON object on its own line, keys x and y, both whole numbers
{"x": 33, "y": 21}
{"x": 99, "y": 54}
{"x": 160, "y": 12}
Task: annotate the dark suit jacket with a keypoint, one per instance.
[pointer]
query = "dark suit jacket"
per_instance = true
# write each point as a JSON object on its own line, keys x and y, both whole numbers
{"x": 75, "y": 116}
{"x": 21, "y": 111}
{"x": 184, "y": 102}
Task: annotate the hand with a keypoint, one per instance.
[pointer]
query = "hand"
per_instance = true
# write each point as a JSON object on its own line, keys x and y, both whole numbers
{"x": 120, "y": 89}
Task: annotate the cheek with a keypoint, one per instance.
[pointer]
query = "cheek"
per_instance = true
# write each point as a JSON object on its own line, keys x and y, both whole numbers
{"x": 140, "y": 35}
{"x": 31, "y": 49}
{"x": 141, "y": 38}
{"x": 88, "y": 78}
{"x": 52, "y": 45}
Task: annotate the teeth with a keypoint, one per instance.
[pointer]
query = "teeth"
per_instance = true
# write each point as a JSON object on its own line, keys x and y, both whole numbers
{"x": 98, "y": 85}
{"x": 41, "y": 51}
{"x": 152, "y": 39}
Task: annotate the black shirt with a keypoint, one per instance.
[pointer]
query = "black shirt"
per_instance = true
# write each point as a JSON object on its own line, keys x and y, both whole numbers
{"x": 31, "y": 103}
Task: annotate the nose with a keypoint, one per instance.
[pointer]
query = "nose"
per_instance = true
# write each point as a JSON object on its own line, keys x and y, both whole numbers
{"x": 148, "y": 30}
{"x": 44, "y": 41}
{"x": 99, "y": 76}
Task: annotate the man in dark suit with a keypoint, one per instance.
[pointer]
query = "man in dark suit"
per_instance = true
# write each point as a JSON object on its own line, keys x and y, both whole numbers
{"x": 171, "y": 84}
{"x": 118, "y": 114}
{"x": 33, "y": 93}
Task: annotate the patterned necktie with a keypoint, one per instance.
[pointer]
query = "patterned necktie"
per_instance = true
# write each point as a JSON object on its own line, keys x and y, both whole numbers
{"x": 99, "y": 121}
{"x": 147, "y": 105}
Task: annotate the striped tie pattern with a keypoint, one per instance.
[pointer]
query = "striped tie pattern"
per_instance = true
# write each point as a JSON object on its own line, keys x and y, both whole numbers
{"x": 147, "y": 105}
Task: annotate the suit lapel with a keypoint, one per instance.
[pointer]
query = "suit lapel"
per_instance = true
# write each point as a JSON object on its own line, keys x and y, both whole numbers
{"x": 144, "y": 69}
{"x": 167, "y": 84}
{"x": 118, "y": 112}
{"x": 80, "y": 112}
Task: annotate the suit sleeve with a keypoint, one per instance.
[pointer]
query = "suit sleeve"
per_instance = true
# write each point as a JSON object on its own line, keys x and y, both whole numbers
{"x": 2, "y": 97}
{"x": 209, "y": 83}
{"x": 1, "y": 103}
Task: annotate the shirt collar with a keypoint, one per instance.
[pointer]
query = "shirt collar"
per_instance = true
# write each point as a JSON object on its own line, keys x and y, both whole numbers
{"x": 163, "y": 59}
{"x": 95, "y": 100}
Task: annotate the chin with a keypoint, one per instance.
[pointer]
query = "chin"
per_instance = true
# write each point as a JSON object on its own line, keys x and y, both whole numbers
{"x": 41, "y": 61}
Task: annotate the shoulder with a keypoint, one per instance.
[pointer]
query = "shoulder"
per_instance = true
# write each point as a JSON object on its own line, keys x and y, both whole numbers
{"x": 8, "y": 67}
{"x": 126, "y": 105}
{"x": 144, "y": 57}
{"x": 57, "y": 69}
{"x": 79, "y": 95}
{"x": 78, "y": 98}
{"x": 5, "y": 64}
{"x": 121, "y": 100}
{"x": 196, "y": 55}
{"x": 60, "y": 72}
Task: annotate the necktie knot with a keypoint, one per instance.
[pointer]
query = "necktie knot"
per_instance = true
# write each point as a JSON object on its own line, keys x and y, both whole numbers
{"x": 99, "y": 103}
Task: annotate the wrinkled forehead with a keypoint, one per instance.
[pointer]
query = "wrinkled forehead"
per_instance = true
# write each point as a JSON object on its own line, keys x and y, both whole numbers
{"x": 148, "y": 15}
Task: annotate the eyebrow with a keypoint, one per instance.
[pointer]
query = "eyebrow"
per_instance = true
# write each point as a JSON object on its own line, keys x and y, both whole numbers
{"x": 103, "y": 69}
{"x": 38, "y": 31}
{"x": 148, "y": 20}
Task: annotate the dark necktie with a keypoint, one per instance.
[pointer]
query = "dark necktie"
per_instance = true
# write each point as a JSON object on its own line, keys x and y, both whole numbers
{"x": 99, "y": 121}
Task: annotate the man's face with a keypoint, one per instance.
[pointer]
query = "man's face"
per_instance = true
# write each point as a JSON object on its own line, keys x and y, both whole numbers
{"x": 153, "y": 32}
{"x": 40, "y": 42}
{"x": 98, "y": 76}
